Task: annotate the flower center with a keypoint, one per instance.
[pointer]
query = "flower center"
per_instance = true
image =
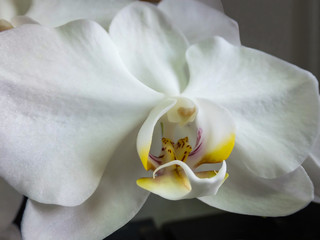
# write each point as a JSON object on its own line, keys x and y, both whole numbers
{"x": 185, "y": 149}
{"x": 173, "y": 151}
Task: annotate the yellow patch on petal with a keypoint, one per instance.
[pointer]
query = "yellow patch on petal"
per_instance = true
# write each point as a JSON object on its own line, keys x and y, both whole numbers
{"x": 144, "y": 156}
{"x": 220, "y": 153}
{"x": 172, "y": 185}
{"x": 209, "y": 174}
{"x": 5, "y": 25}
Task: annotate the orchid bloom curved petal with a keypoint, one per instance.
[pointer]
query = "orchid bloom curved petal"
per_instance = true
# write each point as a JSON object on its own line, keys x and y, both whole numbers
{"x": 198, "y": 21}
{"x": 217, "y": 133}
{"x": 10, "y": 201}
{"x": 155, "y": 53}
{"x": 144, "y": 139}
{"x": 55, "y": 13}
{"x": 11, "y": 8}
{"x": 243, "y": 192}
{"x": 65, "y": 108}
{"x": 183, "y": 183}
{"x": 273, "y": 103}
{"x": 11, "y": 233}
{"x": 113, "y": 204}
{"x": 312, "y": 166}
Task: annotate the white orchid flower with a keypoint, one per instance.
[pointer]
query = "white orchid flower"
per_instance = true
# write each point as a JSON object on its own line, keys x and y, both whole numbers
{"x": 10, "y": 202}
{"x": 76, "y": 100}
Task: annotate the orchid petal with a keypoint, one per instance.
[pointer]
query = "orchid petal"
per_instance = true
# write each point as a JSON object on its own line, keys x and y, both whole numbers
{"x": 183, "y": 183}
{"x": 198, "y": 21}
{"x": 245, "y": 193}
{"x": 315, "y": 151}
{"x": 152, "y": 49}
{"x": 55, "y": 13}
{"x": 11, "y": 8}
{"x": 67, "y": 102}
{"x": 114, "y": 203}
{"x": 10, "y": 202}
{"x": 274, "y": 104}
{"x": 10, "y": 233}
{"x": 217, "y": 133}
{"x": 145, "y": 135}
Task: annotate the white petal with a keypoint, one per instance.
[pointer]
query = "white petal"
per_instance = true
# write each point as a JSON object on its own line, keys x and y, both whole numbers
{"x": 145, "y": 135}
{"x": 58, "y": 12}
{"x": 274, "y": 104}
{"x": 198, "y": 21}
{"x": 11, "y": 8}
{"x": 218, "y": 134}
{"x": 152, "y": 49}
{"x": 315, "y": 151}
{"x": 245, "y": 193}
{"x": 67, "y": 101}
{"x": 10, "y": 201}
{"x": 115, "y": 202}
{"x": 10, "y": 233}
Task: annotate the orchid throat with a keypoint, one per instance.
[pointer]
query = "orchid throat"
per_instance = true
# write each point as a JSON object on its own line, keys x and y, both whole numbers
{"x": 178, "y": 148}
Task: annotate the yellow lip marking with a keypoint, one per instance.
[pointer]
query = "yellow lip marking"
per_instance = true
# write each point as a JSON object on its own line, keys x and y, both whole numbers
{"x": 144, "y": 156}
{"x": 5, "y": 25}
{"x": 220, "y": 153}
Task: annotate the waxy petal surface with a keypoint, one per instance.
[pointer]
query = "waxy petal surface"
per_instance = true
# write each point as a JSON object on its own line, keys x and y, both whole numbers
{"x": 145, "y": 135}
{"x": 245, "y": 193}
{"x": 114, "y": 203}
{"x": 67, "y": 101}
{"x": 151, "y": 47}
{"x": 55, "y": 13}
{"x": 10, "y": 201}
{"x": 197, "y": 21}
{"x": 273, "y": 103}
{"x": 218, "y": 134}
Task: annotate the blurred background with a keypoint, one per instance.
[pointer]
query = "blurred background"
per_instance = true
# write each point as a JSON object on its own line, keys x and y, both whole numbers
{"x": 288, "y": 29}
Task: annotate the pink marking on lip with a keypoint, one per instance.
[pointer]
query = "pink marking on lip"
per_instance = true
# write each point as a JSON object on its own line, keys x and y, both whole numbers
{"x": 198, "y": 142}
